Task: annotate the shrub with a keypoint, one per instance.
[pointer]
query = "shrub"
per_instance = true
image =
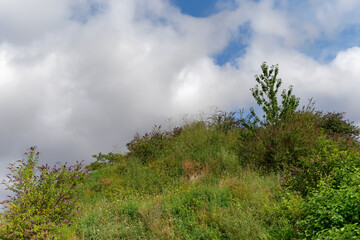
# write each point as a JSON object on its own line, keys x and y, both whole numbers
{"x": 335, "y": 125}
{"x": 105, "y": 159}
{"x": 224, "y": 121}
{"x": 305, "y": 175}
{"x": 344, "y": 132}
{"x": 284, "y": 145}
{"x": 43, "y": 201}
{"x": 334, "y": 208}
{"x": 227, "y": 122}
{"x": 148, "y": 146}
{"x": 273, "y": 147}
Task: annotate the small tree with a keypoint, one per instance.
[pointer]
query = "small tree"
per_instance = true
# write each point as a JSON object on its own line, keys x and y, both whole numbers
{"x": 266, "y": 96}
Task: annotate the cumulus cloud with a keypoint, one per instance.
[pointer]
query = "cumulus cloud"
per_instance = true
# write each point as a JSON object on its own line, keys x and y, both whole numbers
{"x": 77, "y": 78}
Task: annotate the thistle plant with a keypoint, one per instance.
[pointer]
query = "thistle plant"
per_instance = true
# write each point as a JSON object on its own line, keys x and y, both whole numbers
{"x": 44, "y": 199}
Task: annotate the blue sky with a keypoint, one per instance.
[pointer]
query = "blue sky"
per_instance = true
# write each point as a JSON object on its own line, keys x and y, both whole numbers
{"x": 197, "y": 8}
{"x": 82, "y": 77}
{"x": 324, "y": 48}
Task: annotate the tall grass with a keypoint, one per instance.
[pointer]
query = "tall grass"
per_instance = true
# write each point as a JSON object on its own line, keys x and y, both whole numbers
{"x": 195, "y": 188}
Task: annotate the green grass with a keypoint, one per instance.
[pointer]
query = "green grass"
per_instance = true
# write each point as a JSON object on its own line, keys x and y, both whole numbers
{"x": 209, "y": 207}
{"x": 195, "y": 188}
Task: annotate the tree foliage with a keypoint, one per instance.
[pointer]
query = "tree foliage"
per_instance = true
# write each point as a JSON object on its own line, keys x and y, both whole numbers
{"x": 265, "y": 94}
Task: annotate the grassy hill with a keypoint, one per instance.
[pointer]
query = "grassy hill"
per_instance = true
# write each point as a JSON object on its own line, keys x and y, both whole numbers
{"x": 294, "y": 175}
{"x": 187, "y": 184}
{"x": 217, "y": 179}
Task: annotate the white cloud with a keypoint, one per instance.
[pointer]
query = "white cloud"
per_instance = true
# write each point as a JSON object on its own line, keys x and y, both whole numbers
{"x": 202, "y": 84}
{"x": 6, "y": 71}
{"x": 333, "y": 14}
{"x": 24, "y": 21}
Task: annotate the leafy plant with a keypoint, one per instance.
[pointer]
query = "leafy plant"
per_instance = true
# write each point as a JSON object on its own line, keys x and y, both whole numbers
{"x": 348, "y": 231}
{"x": 304, "y": 175}
{"x": 326, "y": 156}
{"x": 273, "y": 147}
{"x": 44, "y": 200}
{"x": 334, "y": 208}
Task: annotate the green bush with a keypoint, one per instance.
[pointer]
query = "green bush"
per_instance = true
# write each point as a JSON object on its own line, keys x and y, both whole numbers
{"x": 225, "y": 121}
{"x": 105, "y": 159}
{"x": 334, "y": 208}
{"x": 43, "y": 202}
{"x": 150, "y": 145}
{"x": 335, "y": 125}
{"x": 305, "y": 175}
{"x": 274, "y": 147}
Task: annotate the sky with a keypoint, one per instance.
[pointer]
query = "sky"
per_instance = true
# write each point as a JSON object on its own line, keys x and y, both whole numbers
{"x": 82, "y": 77}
